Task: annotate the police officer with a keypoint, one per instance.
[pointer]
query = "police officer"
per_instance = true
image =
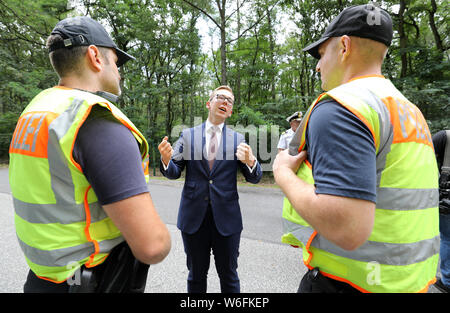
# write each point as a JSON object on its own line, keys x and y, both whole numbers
{"x": 361, "y": 179}
{"x": 87, "y": 159}
{"x": 442, "y": 149}
{"x": 286, "y": 136}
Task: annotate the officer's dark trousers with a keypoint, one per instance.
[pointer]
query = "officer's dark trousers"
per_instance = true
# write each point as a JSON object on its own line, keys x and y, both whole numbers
{"x": 34, "y": 284}
{"x": 315, "y": 282}
{"x": 198, "y": 248}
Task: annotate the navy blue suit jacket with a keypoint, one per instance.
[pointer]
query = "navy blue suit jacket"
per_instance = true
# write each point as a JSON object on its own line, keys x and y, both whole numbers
{"x": 202, "y": 186}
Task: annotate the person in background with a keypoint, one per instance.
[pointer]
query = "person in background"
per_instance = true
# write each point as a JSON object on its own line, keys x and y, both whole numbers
{"x": 285, "y": 138}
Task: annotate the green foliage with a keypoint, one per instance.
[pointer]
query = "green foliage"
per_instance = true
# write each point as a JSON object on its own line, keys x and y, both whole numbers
{"x": 7, "y": 125}
{"x": 169, "y": 82}
{"x": 247, "y": 116}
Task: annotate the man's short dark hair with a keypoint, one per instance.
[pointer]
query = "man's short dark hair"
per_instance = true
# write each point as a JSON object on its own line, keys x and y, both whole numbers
{"x": 66, "y": 61}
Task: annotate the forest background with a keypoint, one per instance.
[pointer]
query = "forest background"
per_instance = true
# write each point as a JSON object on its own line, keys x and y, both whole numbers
{"x": 186, "y": 48}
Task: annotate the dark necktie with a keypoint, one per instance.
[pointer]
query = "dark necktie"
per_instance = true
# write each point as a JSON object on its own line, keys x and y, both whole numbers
{"x": 212, "y": 147}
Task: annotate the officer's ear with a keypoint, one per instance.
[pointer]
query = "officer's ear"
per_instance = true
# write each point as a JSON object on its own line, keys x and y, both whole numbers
{"x": 344, "y": 45}
{"x": 94, "y": 58}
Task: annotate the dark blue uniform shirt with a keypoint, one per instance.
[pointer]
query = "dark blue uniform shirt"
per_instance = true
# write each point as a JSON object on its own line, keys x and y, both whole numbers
{"x": 342, "y": 153}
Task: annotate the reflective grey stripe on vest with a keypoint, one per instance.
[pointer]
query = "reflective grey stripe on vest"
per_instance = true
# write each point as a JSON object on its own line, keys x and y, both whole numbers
{"x": 372, "y": 251}
{"x": 386, "y": 130}
{"x": 56, "y": 213}
{"x": 384, "y": 253}
{"x": 65, "y": 256}
{"x": 407, "y": 199}
{"x": 300, "y": 232}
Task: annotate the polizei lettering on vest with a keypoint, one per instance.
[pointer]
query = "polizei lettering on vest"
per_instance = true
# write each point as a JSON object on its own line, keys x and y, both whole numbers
{"x": 26, "y": 123}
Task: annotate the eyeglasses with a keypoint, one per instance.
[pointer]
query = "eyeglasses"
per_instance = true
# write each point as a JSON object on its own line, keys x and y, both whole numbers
{"x": 229, "y": 101}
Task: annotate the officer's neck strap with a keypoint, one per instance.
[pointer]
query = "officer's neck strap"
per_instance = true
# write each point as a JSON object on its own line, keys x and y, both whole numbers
{"x": 107, "y": 95}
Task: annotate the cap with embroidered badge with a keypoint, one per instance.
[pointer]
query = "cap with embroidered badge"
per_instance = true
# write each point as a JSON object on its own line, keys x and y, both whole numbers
{"x": 84, "y": 31}
{"x": 365, "y": 21}
{"x": 297, "y": 116}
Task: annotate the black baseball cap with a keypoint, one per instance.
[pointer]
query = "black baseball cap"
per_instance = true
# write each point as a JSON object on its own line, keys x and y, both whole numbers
{"x": 365, "y": 21}
{"x": 84, "y": 31}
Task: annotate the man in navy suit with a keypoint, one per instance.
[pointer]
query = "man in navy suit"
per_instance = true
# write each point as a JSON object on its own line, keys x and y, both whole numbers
{"x": 209, "y": 216}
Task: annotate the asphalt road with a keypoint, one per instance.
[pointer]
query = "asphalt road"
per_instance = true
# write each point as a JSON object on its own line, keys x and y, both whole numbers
{"x": 265, "y": 265}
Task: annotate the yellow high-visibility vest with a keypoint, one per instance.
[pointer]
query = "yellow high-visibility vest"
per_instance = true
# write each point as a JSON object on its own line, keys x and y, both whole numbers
{"x": 401, "y": 254}
{"x": 59, "y": 223}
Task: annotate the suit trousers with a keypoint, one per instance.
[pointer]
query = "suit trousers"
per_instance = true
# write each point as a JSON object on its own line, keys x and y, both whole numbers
{"x": 198, "y": 246}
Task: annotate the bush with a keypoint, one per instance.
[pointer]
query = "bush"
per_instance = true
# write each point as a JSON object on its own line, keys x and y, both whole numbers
{"x": 7, "y": 125}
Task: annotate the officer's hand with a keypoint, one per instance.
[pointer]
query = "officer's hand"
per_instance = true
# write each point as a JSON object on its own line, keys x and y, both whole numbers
{"x": 166, "y": 150}
{"x": 244, "y": 154}
{"x": 286, "y": 161}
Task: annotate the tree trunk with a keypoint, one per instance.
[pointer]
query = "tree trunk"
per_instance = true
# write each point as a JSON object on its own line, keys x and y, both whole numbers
{"x": 169, "y": 116}
{"x": 437, "y": 37}
{"x": 249, "y": 91}
{"x": 237, "y": 92}
{"x": 223, "y": 44}
{"x": 403, "y": 39}
{"x": 272, "y": 59}
{"x": 302, "y": 76}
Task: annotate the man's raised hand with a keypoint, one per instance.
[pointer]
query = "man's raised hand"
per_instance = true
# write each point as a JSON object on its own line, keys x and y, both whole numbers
{"x": 166, "y": 150}
{"x": 245, "y": 155}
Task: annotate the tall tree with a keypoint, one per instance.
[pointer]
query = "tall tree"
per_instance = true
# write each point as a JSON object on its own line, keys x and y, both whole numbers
{"x": 221, "y": 23}
{"x": 431, "y": 19}
{"x": 167, "y": 85}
